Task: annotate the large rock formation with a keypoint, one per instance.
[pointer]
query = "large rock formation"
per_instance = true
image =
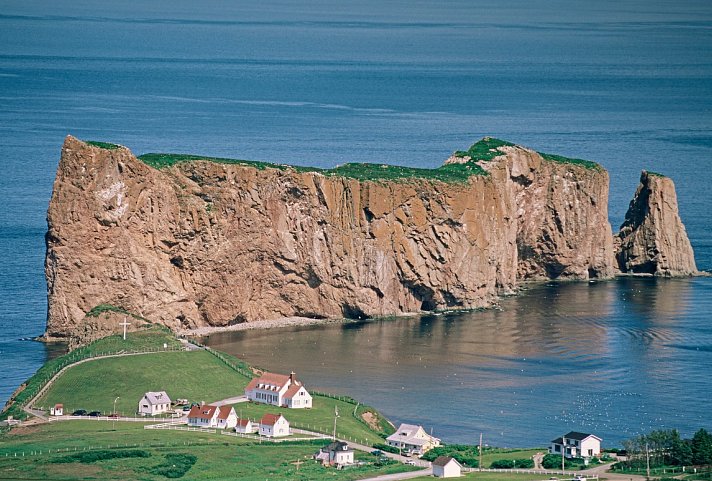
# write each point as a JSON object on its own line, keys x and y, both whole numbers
{"x": 652, "y": 239}
{"x": 210, "y": 243}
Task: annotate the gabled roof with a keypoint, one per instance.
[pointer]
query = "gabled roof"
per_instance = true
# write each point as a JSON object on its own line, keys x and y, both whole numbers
{"x": 202, "y": 412}
{"x": 575, "y": 435}
{"x": 158, "y": 397}
{"x": 243, "y": 422}
{"x": 444, "y": 460}
{"x": 408, "y": 433}
{"x": 293, "y": 389}
{"x": 336, "y": 446}
{"x": 225, "y": 412}
{"x": 60, "y": 406}
{"x": 271, "y": 419}
{"x": 268, "y": 381}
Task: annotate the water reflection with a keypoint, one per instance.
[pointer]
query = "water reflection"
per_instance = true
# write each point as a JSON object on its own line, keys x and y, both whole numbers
{"x": 608, "y": 357}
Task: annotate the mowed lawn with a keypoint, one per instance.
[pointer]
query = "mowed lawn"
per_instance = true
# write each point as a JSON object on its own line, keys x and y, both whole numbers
{"x": 319, "y": 418}
{"x": 93, "y": 385}
{"x": 489, "y": 456}
{"x": 218, "y": 456}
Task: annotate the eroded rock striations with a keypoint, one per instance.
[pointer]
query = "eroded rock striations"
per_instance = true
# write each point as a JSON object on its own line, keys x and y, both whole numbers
{"x": 201, "y": 242}
{"x": 652, "y": 239}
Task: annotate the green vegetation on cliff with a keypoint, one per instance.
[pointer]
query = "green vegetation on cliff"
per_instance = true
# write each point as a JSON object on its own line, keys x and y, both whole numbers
{"x": 481, "y": 151}
{"x": 103, "y": 145}
{"x": 452, "y": 173}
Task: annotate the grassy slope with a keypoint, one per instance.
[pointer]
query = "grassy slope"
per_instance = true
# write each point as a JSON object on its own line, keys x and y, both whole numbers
{"x": 219, "y": 457}
{"x": 152, "y": 338}
{"x": 196, "y": 375}
{"x": 319, "y": 418}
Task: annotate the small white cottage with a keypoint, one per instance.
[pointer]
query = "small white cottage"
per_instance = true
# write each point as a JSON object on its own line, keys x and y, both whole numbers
{"x": 56, "y": 410}
{"x": 245, "y": 426}
{"x": 153, "y": 403}
{"x": 274, "y": 426}
{"x": 446, "y": 467}
{"x": 335, "y": 454}
{"x": 577, "y": 445}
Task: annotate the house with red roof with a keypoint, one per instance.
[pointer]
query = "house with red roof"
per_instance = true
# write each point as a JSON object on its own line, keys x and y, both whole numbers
{"x": 57, "y": 410}
{"x": 279, "y": 390}
{"x": 245, "y": 426}
{"x": 209, "y": 416}
{"x": 274, "y": 426}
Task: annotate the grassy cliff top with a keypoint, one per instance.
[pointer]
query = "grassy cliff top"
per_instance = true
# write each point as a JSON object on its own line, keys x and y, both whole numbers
{"x": 481, "y": 151}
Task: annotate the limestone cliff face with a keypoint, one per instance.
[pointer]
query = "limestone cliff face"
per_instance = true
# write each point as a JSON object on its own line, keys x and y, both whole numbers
{"x": 206, "y": 243}
{"x": 652, "y": 239}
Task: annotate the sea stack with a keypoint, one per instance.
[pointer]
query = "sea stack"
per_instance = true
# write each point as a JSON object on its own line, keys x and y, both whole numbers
{"x": 652, "y": 239}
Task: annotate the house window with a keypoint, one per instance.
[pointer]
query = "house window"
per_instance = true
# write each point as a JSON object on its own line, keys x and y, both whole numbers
{"x": 557, "y": 448}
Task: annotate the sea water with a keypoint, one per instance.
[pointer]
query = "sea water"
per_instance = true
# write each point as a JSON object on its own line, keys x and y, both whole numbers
{"x": 626, "y": 83}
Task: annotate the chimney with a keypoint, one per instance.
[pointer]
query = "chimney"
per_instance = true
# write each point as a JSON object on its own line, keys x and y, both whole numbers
{"x": 291, "y": 377}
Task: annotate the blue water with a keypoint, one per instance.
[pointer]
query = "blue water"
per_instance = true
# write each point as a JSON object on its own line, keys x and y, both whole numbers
{"x": 624, "y": 83}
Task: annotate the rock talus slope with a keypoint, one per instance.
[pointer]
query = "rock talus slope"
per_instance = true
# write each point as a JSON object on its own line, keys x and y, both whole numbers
{"x": 206, "y": 243}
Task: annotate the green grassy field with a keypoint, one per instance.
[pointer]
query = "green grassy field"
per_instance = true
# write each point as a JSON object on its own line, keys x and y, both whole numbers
{"x": 196, "y": 375}
{"x": 495, "y": 454}
{"x": 218, "y": 456}
{"x": 151, "y": 338}
{"x": 319, "y": 418}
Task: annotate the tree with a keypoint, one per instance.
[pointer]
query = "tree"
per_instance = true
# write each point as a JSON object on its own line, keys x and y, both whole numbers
{"x": 702, "y": 447}
{"x": 680, "y": 450}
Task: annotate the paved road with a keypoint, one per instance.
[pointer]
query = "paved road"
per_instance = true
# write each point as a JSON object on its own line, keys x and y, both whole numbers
{"x": 231, "y": 400}
{"x": 406, "y": 475}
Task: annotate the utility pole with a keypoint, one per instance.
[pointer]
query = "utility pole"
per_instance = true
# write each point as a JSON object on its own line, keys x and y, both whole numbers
{"x": 336, "y": 415}
{"x": 563, "y": 450}
{"x": 113, "y": 423}
{"x": 647, "y": 461}
{"x": 479, "y": 463}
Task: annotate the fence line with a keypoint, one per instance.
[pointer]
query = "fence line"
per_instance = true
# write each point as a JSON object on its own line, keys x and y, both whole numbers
{"x": 248, "y": 374}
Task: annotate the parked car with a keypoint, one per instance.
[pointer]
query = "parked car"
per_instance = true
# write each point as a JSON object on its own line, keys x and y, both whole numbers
{"x": 409, "y": 462}
{"x": 95, "y": 414}
{"x": 377, "y": 452}
{"x": 114, "y": 415}
{"x": 79, "y": 412}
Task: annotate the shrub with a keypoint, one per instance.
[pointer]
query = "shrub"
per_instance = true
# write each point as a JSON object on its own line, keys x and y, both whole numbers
{"x": 386, "y": 448}
{"x": 102, "y": 455}
{"x": 512, "y": 463}
{"x": 175, "y": 466}
{"x": 464, "y": 454}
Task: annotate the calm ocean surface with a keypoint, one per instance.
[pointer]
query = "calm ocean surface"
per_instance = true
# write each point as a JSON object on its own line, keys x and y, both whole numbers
{"x": 626, "y": 83}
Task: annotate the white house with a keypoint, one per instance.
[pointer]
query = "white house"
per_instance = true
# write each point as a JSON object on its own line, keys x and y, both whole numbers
{"x": 446, "y": 467}
{"x": 274, "y": 426}
{"x": 153, "y": 403}
{"x": 227, "y": 418}
{"x": 412, "y": 439}
{"x": 56, "y": 410}
{"x": 245, "y": 426}
{"x": 205, "y": 416}
{"x": 577, "y": 445}
{"x": 335, "y": 454}
{"x": 279, "y": 390}
{"x": 209, "y": 416}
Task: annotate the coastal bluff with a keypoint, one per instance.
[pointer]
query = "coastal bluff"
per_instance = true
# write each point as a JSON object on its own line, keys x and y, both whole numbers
{"x": 190, "y": 241}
